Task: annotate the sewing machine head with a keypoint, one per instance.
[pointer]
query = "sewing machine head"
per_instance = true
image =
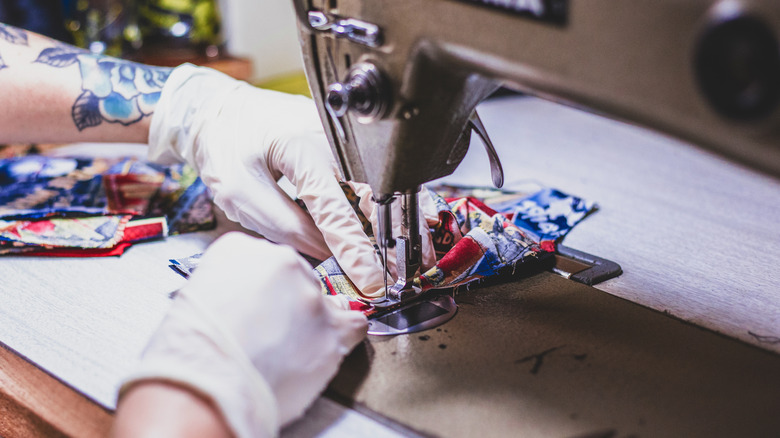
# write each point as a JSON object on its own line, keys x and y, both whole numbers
{"x": 397, "y": 82}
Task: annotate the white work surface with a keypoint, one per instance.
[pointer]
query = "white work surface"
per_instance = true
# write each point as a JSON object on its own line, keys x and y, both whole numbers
{"x": 696, "y": 236}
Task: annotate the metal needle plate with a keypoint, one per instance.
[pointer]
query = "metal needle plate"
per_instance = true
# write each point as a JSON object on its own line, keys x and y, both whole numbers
{"x": 423, "y": 314}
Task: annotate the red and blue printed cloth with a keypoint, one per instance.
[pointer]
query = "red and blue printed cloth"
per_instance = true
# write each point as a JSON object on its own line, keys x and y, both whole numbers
{"x": 479, "y": 237}
{"x": 92, "y": 207}
{"x": 481, "y": 233}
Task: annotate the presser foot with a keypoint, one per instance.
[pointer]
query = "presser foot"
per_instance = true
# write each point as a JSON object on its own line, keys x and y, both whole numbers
{"x": 421, "y": 313}
{"x": 401, "y": 292}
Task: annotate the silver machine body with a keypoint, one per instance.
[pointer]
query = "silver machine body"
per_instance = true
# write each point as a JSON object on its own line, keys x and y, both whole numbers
{"x": 397, "y": 82}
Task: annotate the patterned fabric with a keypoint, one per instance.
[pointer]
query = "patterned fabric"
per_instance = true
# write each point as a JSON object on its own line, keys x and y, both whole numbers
{"x": 59, "y": 206}
{"x": 78, "y": 237}
{"x": 489, "y": 243}
{"x": 87, "y": 232}
{"x": 474, "y": 241}
{"x": 33, "y": 187}
{"x": 549, "y": 214}
{"x": 481, "y": 233}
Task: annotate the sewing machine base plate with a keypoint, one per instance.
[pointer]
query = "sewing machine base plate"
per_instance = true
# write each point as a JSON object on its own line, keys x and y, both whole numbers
{"x": 546, "y": 356}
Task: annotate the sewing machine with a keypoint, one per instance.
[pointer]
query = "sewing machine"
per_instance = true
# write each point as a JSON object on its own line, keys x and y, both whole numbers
{"x": 397, "y": 83}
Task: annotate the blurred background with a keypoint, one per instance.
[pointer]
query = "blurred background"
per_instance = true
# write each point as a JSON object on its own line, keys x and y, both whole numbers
{"x": 254, "y": 40}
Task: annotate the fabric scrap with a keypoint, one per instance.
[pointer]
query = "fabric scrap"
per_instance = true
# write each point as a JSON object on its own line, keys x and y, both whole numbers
{"x": 34, "y": 187}
{"x": 185, "y": 266}
{"x": 87, "y": 232}
{"x": 549, "y": 215}
{"x": 60, "y": 206}
{"x": 69, "y": 237}
{"x": 116, "y": 250}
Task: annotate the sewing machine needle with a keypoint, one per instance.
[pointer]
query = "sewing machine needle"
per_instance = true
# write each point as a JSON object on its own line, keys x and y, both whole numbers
{"x": 385, "y": 234}
{"x": 384, "y": 263}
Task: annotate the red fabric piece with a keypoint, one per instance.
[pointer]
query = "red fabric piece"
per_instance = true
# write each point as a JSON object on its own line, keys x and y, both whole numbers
{"x": 476, "y": 203}
{"x": 329, "y": 285}
{"x": 446, "y": 234}
{"x": 134, "y": 231}
{"x": 362, "y": 307}
{"x": 130, "y": 193}
{"x": 353, "y": 305}
{"x": 144, "y": 230}
{"x": 89, "y": 252}
{"x": 40, "y": 227}
{"x": 468, "y": 253}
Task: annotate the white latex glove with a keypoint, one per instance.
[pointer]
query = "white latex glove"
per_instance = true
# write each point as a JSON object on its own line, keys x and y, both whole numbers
{"x": 241, "y": 140}
{"x": 251, "y": 332}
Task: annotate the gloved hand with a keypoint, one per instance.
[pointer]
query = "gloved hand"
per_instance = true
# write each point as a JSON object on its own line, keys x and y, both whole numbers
{"x": 241, "y": 140}
{"x": 251, "y": 332}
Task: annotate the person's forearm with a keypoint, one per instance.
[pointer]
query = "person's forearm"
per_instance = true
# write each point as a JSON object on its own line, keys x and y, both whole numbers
{"x": 159, "y": 409}
{"x": 53, "y": 92}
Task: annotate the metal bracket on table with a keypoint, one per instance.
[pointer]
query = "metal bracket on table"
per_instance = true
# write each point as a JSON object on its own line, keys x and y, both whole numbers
{"x": 589, "y": 269}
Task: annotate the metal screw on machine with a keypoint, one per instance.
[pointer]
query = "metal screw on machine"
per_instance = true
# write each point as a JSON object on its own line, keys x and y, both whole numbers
{"x": 357, "y": 31}
{"x": 363, "y": 92}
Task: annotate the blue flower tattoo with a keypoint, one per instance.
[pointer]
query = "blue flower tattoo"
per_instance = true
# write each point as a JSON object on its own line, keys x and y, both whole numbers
{"x": 12, "y": 35}
{"x": 114, "y": 90}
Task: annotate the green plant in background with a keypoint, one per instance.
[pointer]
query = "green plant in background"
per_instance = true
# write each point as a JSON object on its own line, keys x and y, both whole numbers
{"x": 196, "y": 22}
{"x": 106, "y": 27}
{"x": 121, "y": 27}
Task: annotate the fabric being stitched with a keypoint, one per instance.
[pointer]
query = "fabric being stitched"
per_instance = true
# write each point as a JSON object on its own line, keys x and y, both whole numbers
{"x": 546, "y": 214}
{"x": 473, "y": 241}
{"x": 489, "y": 243}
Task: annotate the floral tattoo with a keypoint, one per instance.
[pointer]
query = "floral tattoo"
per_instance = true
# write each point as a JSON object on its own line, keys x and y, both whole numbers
{"x": 12, "y": 35}
{"x": 114, "y": 90}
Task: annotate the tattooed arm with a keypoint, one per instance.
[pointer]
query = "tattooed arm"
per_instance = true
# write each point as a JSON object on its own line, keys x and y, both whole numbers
{"x": 53, "y": 92}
